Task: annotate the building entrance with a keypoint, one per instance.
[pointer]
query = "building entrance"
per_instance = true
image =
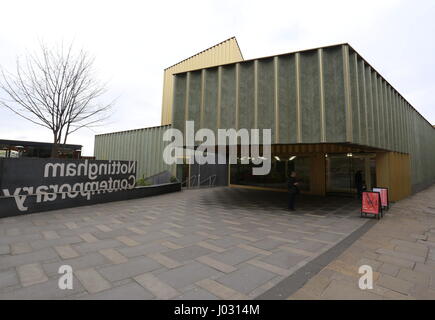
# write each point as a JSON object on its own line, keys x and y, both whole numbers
{"x": 341, "y": 170}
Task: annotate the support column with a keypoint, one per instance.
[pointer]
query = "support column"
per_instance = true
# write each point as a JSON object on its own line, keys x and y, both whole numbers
{"x": 318, "y": 175}
{"x": 367, "y": 174}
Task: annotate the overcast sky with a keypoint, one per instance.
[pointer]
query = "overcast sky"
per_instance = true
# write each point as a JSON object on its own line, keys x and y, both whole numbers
{"x": 133, "y": 41}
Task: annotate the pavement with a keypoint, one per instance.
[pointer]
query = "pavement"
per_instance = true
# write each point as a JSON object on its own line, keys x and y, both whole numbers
{"x": 400, "y": 248}
{"x": 219, "y": 243}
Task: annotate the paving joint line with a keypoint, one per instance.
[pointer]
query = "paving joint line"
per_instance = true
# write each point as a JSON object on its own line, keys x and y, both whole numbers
{"x": 300, "y": 277}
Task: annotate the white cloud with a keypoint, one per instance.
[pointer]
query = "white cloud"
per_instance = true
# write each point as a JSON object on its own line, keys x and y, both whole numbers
{"x": 133, "y": 42}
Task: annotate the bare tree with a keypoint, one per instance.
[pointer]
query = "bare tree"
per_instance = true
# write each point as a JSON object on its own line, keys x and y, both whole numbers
{"x": 56, "y": 89}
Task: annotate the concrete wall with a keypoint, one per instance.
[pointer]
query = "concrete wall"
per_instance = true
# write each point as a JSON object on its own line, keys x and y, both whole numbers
{"x": 382, "y": 118}
{"x": 142, "y": 145}
{"x": 325, "y": 95}
{"x": 300, "y": 96}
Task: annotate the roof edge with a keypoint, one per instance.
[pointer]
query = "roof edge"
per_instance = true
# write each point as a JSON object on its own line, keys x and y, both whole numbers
{"x": 130, "y": 130}
{"x": 209, "y": 48}
{"x": 266, "y": 57}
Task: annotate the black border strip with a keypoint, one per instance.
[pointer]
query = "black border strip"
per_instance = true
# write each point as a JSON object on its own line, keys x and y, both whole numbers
{"x": 297, "y": 280}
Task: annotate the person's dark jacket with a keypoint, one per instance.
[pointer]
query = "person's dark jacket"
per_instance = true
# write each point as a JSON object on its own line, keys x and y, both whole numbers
{"x": 292, "y": 188}
{"x": 358, "y": 180}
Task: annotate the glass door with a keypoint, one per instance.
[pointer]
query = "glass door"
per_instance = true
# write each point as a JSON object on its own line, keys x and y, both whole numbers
{"x": 341, "y": 170}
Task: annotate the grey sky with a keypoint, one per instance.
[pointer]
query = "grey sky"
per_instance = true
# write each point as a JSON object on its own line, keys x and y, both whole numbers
{"x": 133, "y": 41}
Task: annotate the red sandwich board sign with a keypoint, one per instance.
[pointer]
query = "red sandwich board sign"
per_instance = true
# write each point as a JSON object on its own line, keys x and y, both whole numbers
{"x": 371, "y": 204}
{"x": 384, "y": 197}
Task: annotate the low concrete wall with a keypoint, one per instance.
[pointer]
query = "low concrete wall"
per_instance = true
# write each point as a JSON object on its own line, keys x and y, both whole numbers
{"x": 8, "y": 207}
{"x": 35, "y": 185}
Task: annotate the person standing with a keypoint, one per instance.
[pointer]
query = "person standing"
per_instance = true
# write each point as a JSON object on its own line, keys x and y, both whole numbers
{"x": 293, "y": 190}
{"x": 359, "y": 183}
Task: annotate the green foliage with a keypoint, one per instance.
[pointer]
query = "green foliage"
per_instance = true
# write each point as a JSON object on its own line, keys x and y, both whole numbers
{"x": 142, "y": 182}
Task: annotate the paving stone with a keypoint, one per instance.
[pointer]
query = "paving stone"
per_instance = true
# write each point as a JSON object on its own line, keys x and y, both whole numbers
{"x": 158, "y": 288}
{"x": 220, "y": 266}
{"x": 268, "y": 244}
{"x": 414, "y": 277}
{"x": 27, "y": 258}
{"x": 395, "y": 284}
{"x": 86, "y": 261}
{"x": 41, "y": 244}
{"x": 303, "y": 294}
{"x": 30, "y": 274}
{"x": 96, "y": 246}
{"x": 370, "y": 262}
{"x": 187, "y": 253}
{"x": 150, "y": 237}
{"x": 219, "y": 290}
{"x": 412, "y": 250}
{"x": 210, "y": 246}
{"x": 317, "y": 285}
{"x": 141, "y": 250}
{"x": 170, "y": 245}
{"x": 20, "y": 238}
{"x": 127, "y": 241}
{"x": 48, "y": 290}
{"x": 297, "y": 251}
{"x": 164, "y": 260}
{"x": 244, "y": 237}
{"x": 208, "y": 235}
{"x": 20, "y": 248}
{"x": 307, "y": 245}
{"x": 283, "y": 259}
{"x": 396, "y": 261}
{"x": 246, "y": 278}
{"x": 66, "y": 252}
{"x": 187, "y": 274}
{"x": 130, "y": 291}
{"x": 347, "y": 291}
{"x": 390, "y": 294}
{"x": 113, "y": 255}
{"x": 103, "y": 228}
{"x": 136, "y": 230}
{"x": 92, "y": 280}
{"x": 389, "y": 269}
{"x": 226, "y": 242}
{"x": 4, "y": 249}
{"x": 13, "y": 232}
{"x": 234, "y": 256}
{"x": 173, "y": 233}
{"x": 191, "y": 239}
{"x": 254, "y": 249}
{"x": 423, "y": 293}
{"x": 288, "y": 239}
{"x": 88, "y": 237}
{"x": 50, "y": 235}
{"x": 269, "y": 267}
{"x": 71, "y": 225}
{"x": 8, "y": 278}
{"x": 401, "y": 255}
{"x": 129, "y": 269}
{"x": 112, "y": 234}
{"x": 196, "y": 294}
{"x": 425, "y": 268}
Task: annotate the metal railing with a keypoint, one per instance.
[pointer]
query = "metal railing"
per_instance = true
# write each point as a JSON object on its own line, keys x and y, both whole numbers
{"x": 188, "y": 182}
{"x": 192, "y": 182}
{"x": 211, "y": 181}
